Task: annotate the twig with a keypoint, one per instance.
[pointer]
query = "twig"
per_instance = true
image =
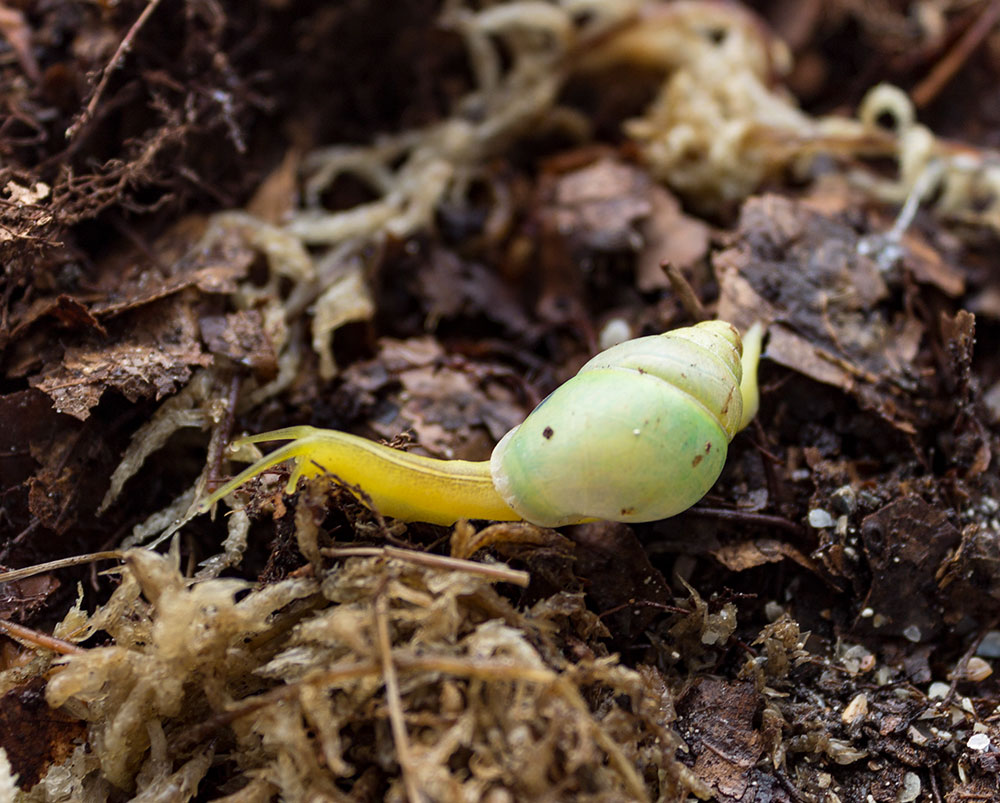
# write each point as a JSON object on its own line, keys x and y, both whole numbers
{"x": 500, "y": 573}
{"x": 394, "y": 700}
{"x": 112, "y": 65}
{"x": 960, "y": 668}
{"x": 39, "y": 639}
{"x": 685, "y": 293}
{"x": 747, "y": 517}
{"x": 792, "y": 790}
{"x": 928, "y": 89}
{"x": 225, "y": 429}
{"x": 644, "y": 603}
{"x": 847, "y": 366}
{"x": 14, "y": 28}
{"x": 934, "y": 785}
{"x": 62, "y": 563}
{"x": 17, "y": 539}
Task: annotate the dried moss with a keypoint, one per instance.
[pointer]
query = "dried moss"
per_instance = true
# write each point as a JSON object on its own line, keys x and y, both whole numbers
{"x": 294, "y": 682}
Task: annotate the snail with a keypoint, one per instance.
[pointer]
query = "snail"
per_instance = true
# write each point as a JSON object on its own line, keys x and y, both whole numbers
{"x": 639, "y": 434}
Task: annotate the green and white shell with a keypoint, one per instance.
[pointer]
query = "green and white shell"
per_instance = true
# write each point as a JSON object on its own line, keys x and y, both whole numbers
{"x": 639, "y": 434}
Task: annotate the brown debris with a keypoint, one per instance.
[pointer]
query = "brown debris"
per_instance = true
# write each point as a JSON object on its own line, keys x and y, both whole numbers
{"x": 804, "y": 270}
{"x": 452, "y": 288}
{"x": 748, "y": 554}
{"x": 609, "y": 207}
{"x": 34, "y": 736}
{"x": 20, "y": 599}
{"x": 241, "y": 337}
{"x": 17, "y": 32}
{"x": 68, "y": 311}
{"x": 716, "y": 719}
{"x": 809, "y": 274}
{"x": 622, "y": 583}
{"x": 453, "y": 408}
{"x": 211, "y": 267}
{"x": 147, "y": 363}
{"x": 905, "y": 543}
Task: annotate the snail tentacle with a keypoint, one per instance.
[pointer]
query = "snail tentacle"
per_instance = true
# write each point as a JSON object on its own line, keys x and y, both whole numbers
{"x": 753, "y": 341}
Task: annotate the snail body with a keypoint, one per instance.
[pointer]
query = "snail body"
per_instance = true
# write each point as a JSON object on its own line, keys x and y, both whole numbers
{"x": 639, "y": 434}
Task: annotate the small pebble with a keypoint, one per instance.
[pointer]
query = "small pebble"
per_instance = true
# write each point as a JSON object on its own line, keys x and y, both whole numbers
{"x": 989, "y": 647}
{"x": 938, "y": 690}
{"x": 614, "y": 332}
{"x": 855, "y": 710}
{"x": 910, "y": 790}
{"x": 819, "y": 518}
{"x": 977, "y": 669}
{"x": 844, "y": 500}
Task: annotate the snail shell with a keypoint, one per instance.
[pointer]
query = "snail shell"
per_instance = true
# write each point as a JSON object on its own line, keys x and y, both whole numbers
{"x": 639, "y": 434}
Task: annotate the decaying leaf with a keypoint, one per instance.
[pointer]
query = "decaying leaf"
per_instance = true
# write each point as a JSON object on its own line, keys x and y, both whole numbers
{"x": 241, "y": 337}
{"x": 748, "y": 554}
{"x": 151, "y": 362}
{"x": 806, "y": 273}
{"x": 716, "y": 720}
{"x": 34, "y": 737}
{"x": 906, "y": 542}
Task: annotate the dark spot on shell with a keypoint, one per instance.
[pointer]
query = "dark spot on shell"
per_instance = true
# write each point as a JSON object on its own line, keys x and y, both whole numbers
{"x": 627, "y": 511}
{"x": 708, "y": 446}
{"x": 547, "y": 433}
{"x": 641, "y": 370}
{"x": 697, "y": 459}
{"x": 729, "y": 400}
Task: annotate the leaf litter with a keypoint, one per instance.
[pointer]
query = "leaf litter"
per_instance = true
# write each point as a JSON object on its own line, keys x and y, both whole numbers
{"x": 810, "y": 633}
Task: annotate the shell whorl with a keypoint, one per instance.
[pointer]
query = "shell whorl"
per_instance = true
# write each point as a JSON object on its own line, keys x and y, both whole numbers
{"x": 703, "y": 361}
